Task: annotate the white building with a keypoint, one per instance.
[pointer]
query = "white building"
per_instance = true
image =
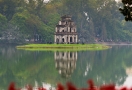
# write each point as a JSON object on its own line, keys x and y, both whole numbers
{"x": 65, "y": 31}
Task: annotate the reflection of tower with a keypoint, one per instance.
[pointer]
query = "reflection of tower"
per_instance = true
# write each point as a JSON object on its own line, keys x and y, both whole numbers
{"x": 65, "y": 62}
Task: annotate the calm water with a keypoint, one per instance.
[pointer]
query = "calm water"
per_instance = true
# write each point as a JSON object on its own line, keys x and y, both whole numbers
{"x": 27, "y": 67}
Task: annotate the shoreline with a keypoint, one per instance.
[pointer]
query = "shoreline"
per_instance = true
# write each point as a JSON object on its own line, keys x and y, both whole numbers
{"x": 114, "y": 43}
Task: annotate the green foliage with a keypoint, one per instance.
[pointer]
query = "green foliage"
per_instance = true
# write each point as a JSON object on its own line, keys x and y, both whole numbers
{"x": 127, "y": 9}
{"x": 3, "y": 22}
{"x": 7, "y": 8}
{"x": 95, "y": 19}
{"x": 19, "y": 19}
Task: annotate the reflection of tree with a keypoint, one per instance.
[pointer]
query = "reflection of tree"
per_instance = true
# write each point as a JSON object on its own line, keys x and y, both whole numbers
{"x": 104, "y": 66}
{"x": 65, "y": 62}
{"x": 24, "y": 67}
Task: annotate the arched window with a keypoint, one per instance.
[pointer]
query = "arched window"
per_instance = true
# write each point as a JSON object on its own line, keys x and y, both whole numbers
{"x": 63, "y": 40}
{"x": 70, "y": 39}
{"x": 75, "y": 39}
{"x": 70, "y": 30}
{"x": 57, "y": 40}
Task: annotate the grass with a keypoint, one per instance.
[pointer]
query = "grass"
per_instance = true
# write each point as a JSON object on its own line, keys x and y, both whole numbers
{"x": 62, "y": 47}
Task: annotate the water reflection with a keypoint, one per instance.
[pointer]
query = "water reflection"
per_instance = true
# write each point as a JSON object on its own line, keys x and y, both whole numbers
{"x": 128, "y": 81}
{"x": 65, "y": 63}
{"x": 23, "y": 66}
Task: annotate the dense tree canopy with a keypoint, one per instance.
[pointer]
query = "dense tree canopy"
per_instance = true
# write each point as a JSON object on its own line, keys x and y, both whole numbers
{"x": 127, "y": 9}
{"x": 35, "y": 20}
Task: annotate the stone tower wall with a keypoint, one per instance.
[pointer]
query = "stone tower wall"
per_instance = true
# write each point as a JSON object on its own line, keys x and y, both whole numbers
{"x": 65, "y": 31}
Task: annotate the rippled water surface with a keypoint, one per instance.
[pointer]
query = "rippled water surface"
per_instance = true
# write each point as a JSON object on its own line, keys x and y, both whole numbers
{"x": 30, "y": 67}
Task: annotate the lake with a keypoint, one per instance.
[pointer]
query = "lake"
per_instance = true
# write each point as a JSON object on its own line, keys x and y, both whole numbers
{"x": 23, "y": 67}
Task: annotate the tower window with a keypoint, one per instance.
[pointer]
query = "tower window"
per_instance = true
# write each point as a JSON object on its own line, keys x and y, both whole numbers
{"x": 74, "y": 38}
{"x": 63, "y": 40}
{"x": 70, "y": 39}
{"x": 70, "y": 30}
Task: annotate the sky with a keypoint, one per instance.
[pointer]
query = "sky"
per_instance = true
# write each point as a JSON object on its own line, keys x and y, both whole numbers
{"x": 117, "y": 0}
{"x": 46, "y": 0}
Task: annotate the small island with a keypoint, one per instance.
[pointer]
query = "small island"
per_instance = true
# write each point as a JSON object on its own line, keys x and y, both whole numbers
{"x": 63, "y": 47}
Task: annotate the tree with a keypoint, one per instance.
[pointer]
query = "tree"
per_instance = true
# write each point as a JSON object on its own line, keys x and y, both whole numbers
{"x": 104, "y": 32}
{"x": 127, "y": 9}
{"x": 7, "y": 8}
{"x": 3, "y": 22}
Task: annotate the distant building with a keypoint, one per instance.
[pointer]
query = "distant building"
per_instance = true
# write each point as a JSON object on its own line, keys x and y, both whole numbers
{"x": 65, "y": 31}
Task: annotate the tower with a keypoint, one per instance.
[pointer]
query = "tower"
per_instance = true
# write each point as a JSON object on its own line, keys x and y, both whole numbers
{"x": 65, "y": 31}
